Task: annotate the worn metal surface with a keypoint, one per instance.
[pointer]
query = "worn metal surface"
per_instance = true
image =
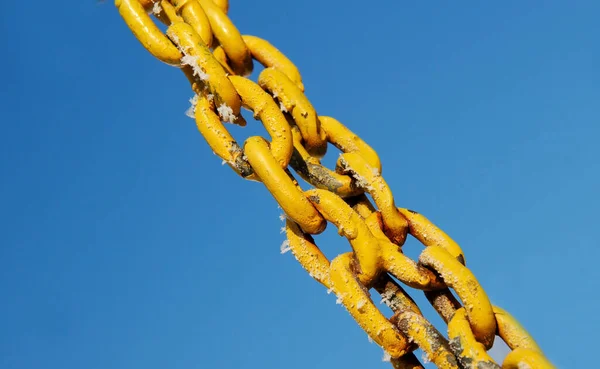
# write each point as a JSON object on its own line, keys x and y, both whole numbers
{"x": 216, "y": 58}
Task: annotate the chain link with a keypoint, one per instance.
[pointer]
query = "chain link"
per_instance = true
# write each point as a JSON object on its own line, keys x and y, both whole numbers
{"x": 203, "y": 42}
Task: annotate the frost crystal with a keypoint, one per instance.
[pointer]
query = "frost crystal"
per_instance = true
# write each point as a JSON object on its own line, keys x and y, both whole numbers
{"x": 174, "y": 37}
{"x": 192, "y": 109}
{"x": 282, "y": 217}
{"x": 329, "y": 291}
{"x": 192, "y": 61}
{"x": 226, "y": 113}
{"x": 282, "y": 229}
{"x": 386, "y": 356}
{"x": 425, "y": 358}
{"x": 156, "y": 9}
{"x": 285, "y": 246}
{"x": 282, "y": 107}
{"x": 370, "y": 339}
{"x": 360, "y": 304}
{"x": 361, "y": 182}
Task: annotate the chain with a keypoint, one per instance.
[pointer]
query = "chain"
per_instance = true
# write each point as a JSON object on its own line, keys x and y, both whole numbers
{"x": 203, "y": 42}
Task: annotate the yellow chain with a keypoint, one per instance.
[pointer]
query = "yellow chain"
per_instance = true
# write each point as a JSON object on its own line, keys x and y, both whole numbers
{"x": 203, "y": 42}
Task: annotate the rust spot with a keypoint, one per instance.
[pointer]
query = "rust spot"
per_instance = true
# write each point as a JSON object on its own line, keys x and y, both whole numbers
{"x": 468, "y": 362}
{"x": 314, "y": 199}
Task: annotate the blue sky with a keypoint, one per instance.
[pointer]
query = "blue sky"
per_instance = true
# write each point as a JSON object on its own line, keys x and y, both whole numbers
{"x": 126, "y": 244}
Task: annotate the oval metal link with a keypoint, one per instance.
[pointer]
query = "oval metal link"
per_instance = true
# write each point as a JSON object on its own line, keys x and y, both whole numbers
{"x": 429, "y": 234}
{"x": 468, "y": 289}
{"x": 229, "y": 37}
{"x": 267, "y": 55}
{"x": 312, "y": 259}
{"x": 512, "y": 332}
{"x": 398, "y": 264}
{"x": 219, "y": 139}
{"x": 270, "y": 57}
{"x": 265, "y": 109}
{"x": 347, "y": 141}
{"x": 282, "y": 188}
{"x": 356, "y": 300}
{"x": 371, "y": 181}
{"x": 351, "y": 226}
{"x": 215, "y": 84}
{"x": 295, "y": 102}
{"x": 311, "y": 170}
{"x": 149, "y": 35}
{"x": 374, "y": 255}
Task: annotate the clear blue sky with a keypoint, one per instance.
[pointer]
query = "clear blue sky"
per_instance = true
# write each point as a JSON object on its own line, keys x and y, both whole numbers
{"x": 126, "y": 244}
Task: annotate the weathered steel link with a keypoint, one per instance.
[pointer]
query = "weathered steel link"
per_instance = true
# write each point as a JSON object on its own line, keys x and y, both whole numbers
{"x": 459, "y": 278}
{"x": 471, "y": 353}
{"x": 216, "y": 58}
{"x": 512, "y": 333}
{"x": 424, "y": 334}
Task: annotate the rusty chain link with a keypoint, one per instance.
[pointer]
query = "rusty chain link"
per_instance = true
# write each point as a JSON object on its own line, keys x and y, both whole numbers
{"x": 203, "y": 42}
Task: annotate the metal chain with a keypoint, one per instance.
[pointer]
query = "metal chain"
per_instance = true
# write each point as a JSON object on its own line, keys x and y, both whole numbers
{"x": 203, "y": 42}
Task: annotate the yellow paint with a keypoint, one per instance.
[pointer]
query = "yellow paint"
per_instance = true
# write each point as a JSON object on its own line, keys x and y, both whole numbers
{"x": 295, "y": 102}
{"x": 265, "y": 109}
{"x": 347, "y": 141}
{"x": 218, "y": 85}
{"x": 352, "y": 295}
{"x": 217, "y": 136}
{"x": 222, "y": 4}
{"x": 522, "y": 358}
{"x": 455, "y": 275}
{"x": 307, "y": 253}
{"x": 430, "y": 235}
{"x": 219, "y": 54}
{"x": 229, "y": 37}
{"x": 370, "y": 179}
{"x": 512, "y": 332}
{"x": 193, "y": 14}
{"x": 464, "y": 343}
{"x": 270, "y": 57}
{"x": 320, "y": 176}
{"x": 144, "y": 29}
{"x": 276, "y": 180}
